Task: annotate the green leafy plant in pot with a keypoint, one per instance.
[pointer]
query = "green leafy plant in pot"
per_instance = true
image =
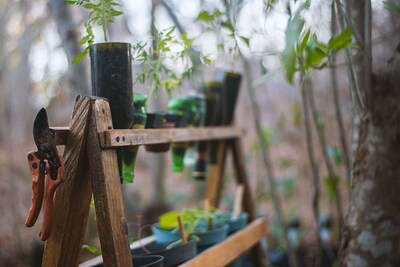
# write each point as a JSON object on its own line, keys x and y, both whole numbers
{"x": 203, "y": 225}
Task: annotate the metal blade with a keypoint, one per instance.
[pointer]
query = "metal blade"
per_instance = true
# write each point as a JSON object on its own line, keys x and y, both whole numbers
{"x": 44, "y": 140}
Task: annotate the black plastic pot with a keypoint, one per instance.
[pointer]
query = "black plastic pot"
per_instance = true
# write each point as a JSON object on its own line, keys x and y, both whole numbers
{"x": 144, "y": 261}
{"x": 173, "y": 256}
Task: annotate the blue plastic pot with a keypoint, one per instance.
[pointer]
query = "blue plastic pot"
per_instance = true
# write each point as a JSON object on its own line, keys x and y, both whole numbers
{"x": 208, "y": 238}
{"x": 165, "y": 236}
{"x": 238, "y": 224}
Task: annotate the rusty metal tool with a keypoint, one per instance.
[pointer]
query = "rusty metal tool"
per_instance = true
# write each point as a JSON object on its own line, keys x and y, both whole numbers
{"x": 47, "y": 171}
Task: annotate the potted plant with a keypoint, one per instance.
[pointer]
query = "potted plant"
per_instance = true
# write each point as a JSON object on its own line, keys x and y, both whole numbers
{"x": 201, "y": 224}
{"x": 110, "y": 64}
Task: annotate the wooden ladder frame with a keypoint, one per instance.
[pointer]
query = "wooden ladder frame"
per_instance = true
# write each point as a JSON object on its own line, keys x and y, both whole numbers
{"x": 90, "y": 140}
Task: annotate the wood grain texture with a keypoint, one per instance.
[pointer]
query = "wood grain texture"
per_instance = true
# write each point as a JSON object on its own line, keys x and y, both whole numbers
{"x": 72, "y": 199}
{"x": 215, "y": 176}
{"x": 225, "y": 252}
{"x": 110, "y": 214}
{"x": 61, "y": 135}
{"x": 115, "y": 138}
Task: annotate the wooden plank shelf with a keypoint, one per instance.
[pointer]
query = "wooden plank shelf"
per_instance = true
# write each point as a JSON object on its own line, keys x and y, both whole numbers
{"x": 131, "y": 137}
{"x": 115, "y": 138}
{"x": 225, "y": 252}
{"x": 218, "y": 255}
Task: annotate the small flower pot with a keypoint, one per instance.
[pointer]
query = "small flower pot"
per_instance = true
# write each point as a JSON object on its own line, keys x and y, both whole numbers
{"x": 173, "y": 256}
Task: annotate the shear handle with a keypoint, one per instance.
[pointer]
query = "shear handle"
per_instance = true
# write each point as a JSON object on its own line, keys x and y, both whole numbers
{"x": 37, "y": 167}
{"x": 50, "y": 189}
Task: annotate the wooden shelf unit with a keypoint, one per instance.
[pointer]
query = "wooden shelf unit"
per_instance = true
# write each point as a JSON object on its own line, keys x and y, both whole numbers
{"x": 90, "y": 140}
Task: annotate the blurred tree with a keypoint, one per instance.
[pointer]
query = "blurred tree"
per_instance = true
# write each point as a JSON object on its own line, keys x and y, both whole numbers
{"x": 371, "y": 236}
{"x": 77, "y": 74}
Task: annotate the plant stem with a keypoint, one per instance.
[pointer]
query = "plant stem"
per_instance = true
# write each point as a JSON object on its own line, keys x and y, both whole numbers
{"x": 267, "y": 161}
{"x": 328, "y": 163}
{"x": 339, "y": 117}
{"x": 313, "y": 163}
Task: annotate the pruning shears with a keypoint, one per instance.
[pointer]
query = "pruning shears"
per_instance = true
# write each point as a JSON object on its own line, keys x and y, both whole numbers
{"x": 47, "y": 170}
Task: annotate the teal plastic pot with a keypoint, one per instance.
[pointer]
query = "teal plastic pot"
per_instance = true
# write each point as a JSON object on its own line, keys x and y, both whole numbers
{"x": 165, "y": 235}
{"x": 208, "y": 238}
{"x": 238, "y": 224}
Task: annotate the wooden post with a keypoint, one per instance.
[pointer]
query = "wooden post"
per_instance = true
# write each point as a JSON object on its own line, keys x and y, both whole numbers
{"x": 110, "y": 214}
{"x": 215, "y": 176}
{"x": 72, "y": 199}
{"x": 248, "y": 206}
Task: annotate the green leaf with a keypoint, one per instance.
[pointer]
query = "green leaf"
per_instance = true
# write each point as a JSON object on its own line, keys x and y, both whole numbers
{"x": 336, "y": 154}
{"x": 90, "y": 6}
{"x": 289, "y": 57}
{"x": 92, "y": 249}
{"x": 204, "y": 16}
{"x": 169, "y": 219}
{"x": 342, "y": 40}
{"x": 115, "y": 13}
{"x": 392, "y": 6}
{"x": 227, "y": 25}
{"x": 79, "y": 57}
{"x": 314, "y": 57}
{"x": 245, "y": 40}
{"x": 331, "y": 184}
{"x": 304, "y": 41}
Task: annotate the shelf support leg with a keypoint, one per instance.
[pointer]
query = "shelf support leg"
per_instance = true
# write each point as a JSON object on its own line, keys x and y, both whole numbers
{"x": 215, "y": 176}
{"x": 72, "y": 199}
{"x": 110, "y": 214}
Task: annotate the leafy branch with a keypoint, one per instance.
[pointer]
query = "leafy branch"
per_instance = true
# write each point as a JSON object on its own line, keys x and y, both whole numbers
{"x": 101, "y": 13}
{"x": 304, "y": 50}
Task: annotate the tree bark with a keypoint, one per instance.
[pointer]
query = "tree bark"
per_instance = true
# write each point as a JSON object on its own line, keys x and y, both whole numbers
{"x": 371, "y": 236}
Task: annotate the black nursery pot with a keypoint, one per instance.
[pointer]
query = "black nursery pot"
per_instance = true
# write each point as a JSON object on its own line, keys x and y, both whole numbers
{"x": 173, "y": 256}
{"x": 111, "y": 73}
{"x": 145, "y": 261}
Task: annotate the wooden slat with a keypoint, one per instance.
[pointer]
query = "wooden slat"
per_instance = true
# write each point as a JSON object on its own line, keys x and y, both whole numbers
{"x": 61, "y": 135}
{"x": 215, "y": 176}
{"x": 137, "y": 244}
{"x": 72, "y": 199}
{"x": 110, "y": 214}
{"x": 225, "y": 252}
{"x": 115, "y": 138}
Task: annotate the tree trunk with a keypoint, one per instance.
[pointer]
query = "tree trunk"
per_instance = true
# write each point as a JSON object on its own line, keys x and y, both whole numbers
{"x": 372, "y": 236}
